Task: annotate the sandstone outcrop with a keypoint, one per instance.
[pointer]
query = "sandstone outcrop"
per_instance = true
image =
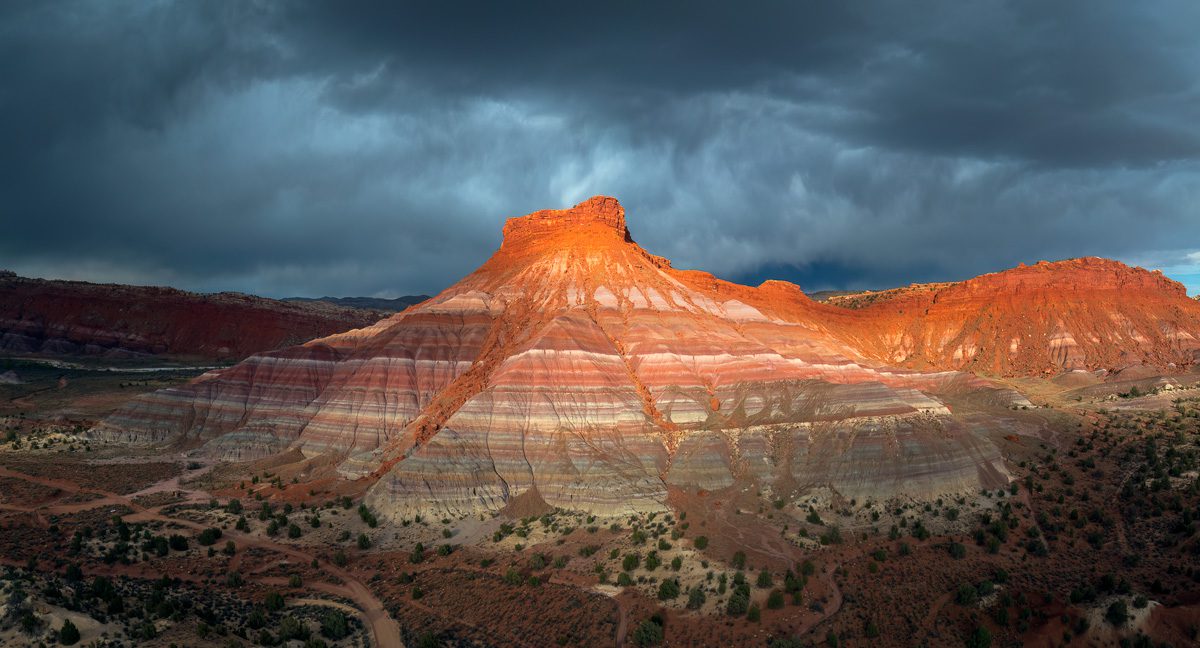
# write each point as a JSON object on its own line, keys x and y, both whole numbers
{"x": 577, "y": 367}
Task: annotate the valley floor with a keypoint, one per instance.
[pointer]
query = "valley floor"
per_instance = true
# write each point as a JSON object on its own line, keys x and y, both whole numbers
{"x": 1094, "y": 543}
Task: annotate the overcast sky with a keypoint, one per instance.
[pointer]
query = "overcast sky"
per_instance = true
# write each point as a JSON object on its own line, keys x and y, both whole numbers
{"x": 350, "y": 148}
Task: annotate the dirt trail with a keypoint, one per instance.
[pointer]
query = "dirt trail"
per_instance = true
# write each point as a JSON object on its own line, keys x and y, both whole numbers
{"x": 383, "y": 627}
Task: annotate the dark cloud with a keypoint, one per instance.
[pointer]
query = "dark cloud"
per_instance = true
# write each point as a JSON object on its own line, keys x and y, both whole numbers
{"x": 324, "y": 148}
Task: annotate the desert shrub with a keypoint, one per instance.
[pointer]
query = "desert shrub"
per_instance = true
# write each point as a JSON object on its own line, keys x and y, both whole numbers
{"x": 367, "y": 516}
{"x": 966, "y": 595}
{"x": 775, "y": 600}
{"x": 648, "y": 633}
{"x": 274, "y": 601}
{"x": 668, "y": 589}
{"x": 513, "y": 577}
{"x": 364, "y": 542}
{"x": 631, "y": 562}
{"x": 701, "y": 542}
{"x": 739, "y": 560}
{"x": 334, "y": 625}
{"x": 739, "y": 600}
{"x": 209, "y": 536}
{"x": 1117, "y": 613}
{"x": 980, "y": 638}
{"x": 696, "y": 598}
{"x": 754, "y": 613}
{"x": 764, "y": 579}
{"x": 68, "y": 635}
{"x": 291, "y": 628}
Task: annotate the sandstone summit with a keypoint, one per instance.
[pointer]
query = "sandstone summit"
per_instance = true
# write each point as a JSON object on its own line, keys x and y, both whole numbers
{"x": 578, "y": 368}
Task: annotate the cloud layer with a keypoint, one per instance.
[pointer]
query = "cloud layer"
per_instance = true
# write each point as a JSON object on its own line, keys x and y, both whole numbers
{"x": 304, "y": 149}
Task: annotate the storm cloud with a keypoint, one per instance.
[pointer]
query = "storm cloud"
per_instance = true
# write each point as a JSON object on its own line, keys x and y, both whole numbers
{"x": 375, "y": 149}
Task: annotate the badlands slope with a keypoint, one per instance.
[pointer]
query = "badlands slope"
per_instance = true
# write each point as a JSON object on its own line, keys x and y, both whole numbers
{"x": 575, "y": 367}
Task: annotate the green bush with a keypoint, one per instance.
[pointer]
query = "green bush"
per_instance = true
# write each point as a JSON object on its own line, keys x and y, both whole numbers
{"x": 69, "y": 634}
{"x": 701, "y": 542}
{"x": 753, "y": 614}
{"x": 1117, "y": 613}
{"x": 334, "y": 625}
{"x": 209, "y": 536}
{"x": 648, "y": 633}
{"x": 967, "y": 594}
{"x": 739, "y": 601}
{"x": 764, "y": 579}
{"x": 274, "y": 601}
{"x": 981, "y": 638}
{"x": 668, "y": 589}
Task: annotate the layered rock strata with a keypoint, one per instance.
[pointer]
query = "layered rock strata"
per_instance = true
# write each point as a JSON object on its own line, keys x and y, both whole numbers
{"x": 577, "y": 367}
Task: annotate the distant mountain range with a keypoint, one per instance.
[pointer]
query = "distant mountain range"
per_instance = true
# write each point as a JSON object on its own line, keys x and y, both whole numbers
{"x": 371, "y": 303}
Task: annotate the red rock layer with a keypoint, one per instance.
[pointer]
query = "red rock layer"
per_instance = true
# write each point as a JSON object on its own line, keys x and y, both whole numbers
{"x": 577, "y": 366}
{"x": 71, "y": 318}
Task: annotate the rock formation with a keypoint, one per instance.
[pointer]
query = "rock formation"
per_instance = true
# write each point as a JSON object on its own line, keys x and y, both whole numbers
{"x": 577, "y": 367}
{"x": 115, "y": 321}
{"x": 1047, "y": 318}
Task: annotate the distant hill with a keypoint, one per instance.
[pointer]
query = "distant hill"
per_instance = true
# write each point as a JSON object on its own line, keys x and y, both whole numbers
{"x": 372, "y": 303}
{"x": 77, "y": 318}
